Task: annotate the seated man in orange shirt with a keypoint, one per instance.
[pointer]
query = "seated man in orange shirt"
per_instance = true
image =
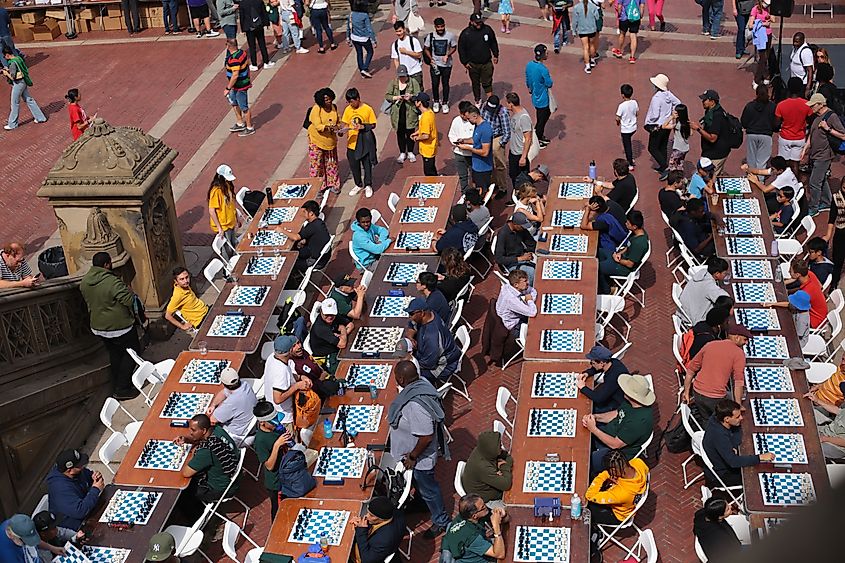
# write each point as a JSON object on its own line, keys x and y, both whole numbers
{"x": 799, "y": 270}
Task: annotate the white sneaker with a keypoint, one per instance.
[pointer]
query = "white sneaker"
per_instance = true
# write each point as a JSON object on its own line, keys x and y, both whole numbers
{"x": 435, "y": 107}
{"x": 412, "y": 157}
{"x": 401, "y": 158}
{"x": 253, "y": 68}
{"x": 444, "y": 108}
{"x": 212, "y": 34}
{"x": 7, "y": 128}
{"x": 356, "y": 190}
{"x": 588, "y": 69}
{"x": 269, "y": 64}
{"x": 478, "y": 103}
{"x": 368, "y": 191}
{"x": 302, "y": 50}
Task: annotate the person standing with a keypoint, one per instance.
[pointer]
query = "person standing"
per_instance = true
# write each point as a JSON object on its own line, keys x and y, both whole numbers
{"x": 713, "y": 129}
{"x": 426, "y": 133}
{"x": 801, "y": 62}
{"x": 679, "y": 124}
{"x": 711, "y": 17}
{"x": 320, "y": 21}
{"x": 79, "y": 121}
{"x": 521, "y": 138}
{"x": 359, "y": 119}
{"x": 481, "y": 149}
{"x": 460, "y": 132}
{"x": 322, "y": 140}
{"x": 760, "y": 24}
{"x": 227, "y": 11}
{"x": 629, "y": 14}
{"x": 254, "y": 19}
{"x": 626, "y": 119}
{"x": 506, "y": 11}
{"x": 758, "y": 120}
{"x": 6, "y": 34}
{"x": 826, "y": 128}
{"x": 200, "y": 14}
{"x": 360, "y": 34}
{"x": 237, "y": 88}
{"x": 221, "y": 208}
{"x": 17, "y": 73}
{"x": 401, "y": 10}
{"x": 655, "y": 9}
{"x": 539, "y": 82}
{"x": 408, "y": 51}
{"x": 585, "y": 24}
{"x": 741, "y": 12}
{"x": 560, "y": 23}
{"x": 291, "y": 27}
{"x": 792, "y": 115}
{"x": 660, "y": 109}
{"x": 131, "y": 16}
{"x": 440, "y": 46}
{"x": 835, "y": 235}
{"x": 478, "y": 51}
{"x": 170, "y": 11}
{"x": 403, "y": 117}
{"x": 497, "y": 116}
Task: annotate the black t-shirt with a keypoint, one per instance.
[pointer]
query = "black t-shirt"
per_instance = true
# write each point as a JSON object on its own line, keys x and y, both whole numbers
{"x": 719, "y": 127}
{"x": 617, "y": 211}
{"x": 669, "y": 201}
{"x": 323, "y": 338}
{"x": 316, "y": 236}
{"x": 450, "y": 286}
{"x": 624, "y": 190}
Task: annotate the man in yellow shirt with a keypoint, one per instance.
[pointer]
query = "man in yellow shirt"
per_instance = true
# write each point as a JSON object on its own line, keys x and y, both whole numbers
{"x": 426, "y": 133}
{"x": 359, "y": 120}
{"x": 185, "y": 301}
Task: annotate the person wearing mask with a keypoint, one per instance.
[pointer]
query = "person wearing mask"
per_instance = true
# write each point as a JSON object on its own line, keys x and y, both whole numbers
{"x": 323, "y": 130}
{"x": 614, "y": 493}
{"x": 222, "y": 210}
{"x": 359, "y": 120}
{"x": 722, "y": 437}
{"x": 73, "y": 489}
{"x": 461, "y": 232}
{"x": 660, "y": 109}
{"x": 715, "y": 535}
{"x": 360, "y": 34}
{"x": 460, "y": 133}
{"x": 826, "y": 128}
{"x": 703, "y": 288}
{"x": 478, "y": 51}
{"x": 489, "y": 470}
{"x": 440, "y": 46}
{"x": 369, "y": 241}
{"x": 79, "y": 121}
{"x": 539, "y": 82}
{"x": 758, "y": 120}
{"x": 401, "y": 92}
{"x": 378, "y": 532}
{"x": 607, "y": 395}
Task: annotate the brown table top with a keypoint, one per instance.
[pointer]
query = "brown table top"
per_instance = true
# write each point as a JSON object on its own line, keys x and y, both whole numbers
{"x": 257, "y": 224}
{"x": 718, "y": 215}
{"x": 585, "y": 322}
{"x": 527, "y": 448}
{"x": 553, "y": 204}
{"x": 443, "y": 204}
{"x": 279, "y": 198}
{"x": 156, "y": 428}
{"x": 579, "y": 537}
{"x": 285, "y": 519}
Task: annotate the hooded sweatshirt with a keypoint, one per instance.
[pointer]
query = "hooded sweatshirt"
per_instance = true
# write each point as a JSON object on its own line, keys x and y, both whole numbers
{"x": 623, "y": 495}
{"x": 364, "y": 242}
{"x": 758, "y": 119}
{"x": 71, "y": 499}
{"x": 717, "y": 539}
{"x": 462, "y": 236}
{"x": 227, "y": 12}
{"x": 699, "y": 294}
{"x": 482, "y": 475}
{"x": 109, "y": 300}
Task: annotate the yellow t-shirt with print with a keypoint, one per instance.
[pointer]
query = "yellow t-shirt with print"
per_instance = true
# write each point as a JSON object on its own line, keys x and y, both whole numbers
{"x": 191, "y": 306}
{"x": 364, "y": 114}
{"x": 226, "y": 213}
{"x": 428, "y": 148}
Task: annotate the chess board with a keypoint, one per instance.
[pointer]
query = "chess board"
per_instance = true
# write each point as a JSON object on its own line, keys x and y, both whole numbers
{"x": 403, "y": 272}
{"x": 788, "y": 448}
{"x": 264, "y": 265}
{"x": 204, "y": 371}
{"x": 292, "y": 191}
{"x": 787, "y": 489}
{"x": 134, "y": 507}
{"x": 414, "y": 240}
{"x": 555, "y": 385}
{"x": 340, "y": 463}
{"x": 743, "y": 226}
{"x": 162, "y": 454}
{"x": 92, "y": 554}
{"x": 268, "y": 238}
{"x": 561, "y": 270}
{"x": 549, "y": 477}
{"x": 561, "y": 304}
{"x": 733, "y": 185}
{"x": 359, "y": 418}
{"x": 751, "y": 269}
{"x": 369, "y": 374}
{"x": 370, "y": 339}
{"x": 757, "y": 319}
{"x": 575, "y": 190}
{"x": 418, "y": 215}
{"x": 754, "y": 292}
{"x": 776, "y": 412}
{"x": 247, "y": 295}
{"x": 567, "y": 218}
{"x": 768, "y": 379}
{"x": 569, "y": 244}
{"x": 278, "y": 215}
{"x": 234, "y": 326}
{"x": 767, "y": 348}
{"x": 185, "y": 405}
{"x": 425, "y": 191}
{"x": 741, "y": 207}
{"x": 541, "y": 544}
{"x": 557, "y": 423}
{"x": 310, "y": 525}
{"x": 388, "y": 306}
{"x": 745, "y": 246}
{"x": 562, "y": 340}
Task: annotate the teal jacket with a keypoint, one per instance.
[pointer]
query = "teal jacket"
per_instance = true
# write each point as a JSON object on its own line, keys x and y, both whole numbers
{"x": 364, "y": 242}
{"x": 109, "y": 300}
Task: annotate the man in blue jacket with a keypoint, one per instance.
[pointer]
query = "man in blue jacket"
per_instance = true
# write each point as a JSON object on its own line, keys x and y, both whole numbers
{"x": 722, "y": 438}
{"x": 73, "y": 489}
{"x": 369, "y": 240}
{"x": 606, "y": 395}
{"x": 435, "y": 349}
{"x": 379, "y": 532}
{"x": 539, "y": 82}
{"x": 461, "y": 234}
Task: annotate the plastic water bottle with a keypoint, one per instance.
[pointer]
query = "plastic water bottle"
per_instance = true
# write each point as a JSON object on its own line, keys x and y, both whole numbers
{"x": 575, "y": 507}
{"x": 327, "y": 428}
{"x": 373, "y": 390}
{"x": 592, "y": 171}
{"x": 774, "y": 247}
{"x": 324, "y": 542}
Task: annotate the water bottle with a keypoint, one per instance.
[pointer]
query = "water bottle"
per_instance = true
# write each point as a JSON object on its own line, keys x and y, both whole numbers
{"x": 373, "y": 390}
{"x": 592, "y": 171}
{"x": 327, "y": 428}
{"x": 575, "y": 507}
{"x": 269, "y": 193}
{"x": 778, "y": 274}
{"x": 324, "y": 542}
{"x": 774, "y": 248}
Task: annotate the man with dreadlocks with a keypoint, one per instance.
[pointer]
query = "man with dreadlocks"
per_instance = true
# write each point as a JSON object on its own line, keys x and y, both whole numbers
{"x": 614, "y": 492}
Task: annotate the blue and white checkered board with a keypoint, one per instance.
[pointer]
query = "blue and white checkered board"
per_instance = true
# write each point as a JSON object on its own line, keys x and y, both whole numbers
{"x": 367, "y": 374}
{"x": 279, "y": 215}
{"x": 92, "y": 554}
{"x": 359, "y": 418}
{"x": 554, "y": 340}
{"x": 566, "y": 218}
{"x": 186, "y": 405}
{"x": 311, "y": 524}
{"x": 767, "y": 348}
{"x": 420, "y": 240}
{"x": 204, "y": 371}
{"x": 757, "y": 319}
{"x": 131, "y": 506}
{"x": 754, "y": 292}
{"x": 569, "y": 244}
{"x": 776, "y": 412}
{"x": 768, "y": 379}
{"x": 751, "y": 269}
{"x": 340, "y": 463}
{"x": 427, "y": 191}
{"x": 235, "y": 326}
{"x": 787, "y": 489}
{"x": 418, "y": 215}
{"x": 247, "y": 295}
{"x": 389, "y": 306}
{"x": 743, "y": 226}
{"x": 561, "y": 270}
{"x": 371, "y": 339}
{"x": 725, "y": 185}
{"x": 557, "y": 423}
{"x": 562, "y": 303}
{"x": 575, "y": 190}
{"x": 264, "y": 265}
{"x": 292, "y": 191}
{"x": 268, "y": 238}
{"x": 402, "y": 272}
{"x": 163, "y": 454}
{"x": 745, "y": 246}
{"x": 741, "y": 207}
{"x": 555, "y": 385}
{"x": 549, "y": 477}
{"x": 788, "y": 448}
{"x": 536, "y": 544}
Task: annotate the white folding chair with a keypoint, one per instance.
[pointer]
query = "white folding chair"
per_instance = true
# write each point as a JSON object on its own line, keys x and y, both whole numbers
{"x": 162, "y": 368}
{"x": 459, "y": 474}
{"x": 607, "y": 532}
{"x": 326, "y": 251}
{"x": 457, "y": 312}
{"x": 355, "y": 260}
{"x": 143, "y": 375}
{"x": 788, "y": 248}
{"x": 503, "y": 397}
{"x": 836, "y": 474}
{"x": 297, "y": 297}
{"x": 699, "y": 552}
{"x": 392, "y": 201}
{"x": 643, "y": 453}
{"x": 231, "y": 531}
{"x": 189, "y": 539}
{"x": 836, "y": 300}
{"x": 520, "y": 343}
{"x": 645, "y": 545}
{"x": 625, "y": 284}
{"x": 478, "y": 249}
{"x": 228, "y": 495}
{"x": 218, "y": 244}
{"x": 43, "y": 504}
{"x": 816, "y": 8}
{"x": 619, "y": 354}
{"x": 499, "y": 426}
{"x": 211, "y": 270}
{"x": 790, "y": 227}
{"x": 817, "y": 345}
{"x": 377, "y": 218}
{"x": 827, "y": 281}
{"x": 819, "y": 372}
{"x": 239, "y": 197}
{"x": 696, "y": 435}
{"x": 731, "y": 491}
{"x": 676, "y": 297}
{"x": 109, "y": 448}
{"x": 633, "y": 201}
{"x": 463, "y": 340}
{"x": 110, "y": 407}
{"x": 609, "y": 307}
{"x": 678, "y": 324}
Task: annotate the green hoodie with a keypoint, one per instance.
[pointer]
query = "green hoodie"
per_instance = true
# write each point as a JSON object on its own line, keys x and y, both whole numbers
{"x": 482, "y": 475}
{"x": 109, "y": 300}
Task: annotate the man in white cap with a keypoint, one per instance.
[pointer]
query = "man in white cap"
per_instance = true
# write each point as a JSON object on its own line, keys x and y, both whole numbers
{"x": 329, "y": 335}
{"x": 660, "y": 109}
{"x": 16, "y": 534}
{"x": 280, "y": 384}
{"x": 827, "y": 128}
{"x": 232, "y": 406}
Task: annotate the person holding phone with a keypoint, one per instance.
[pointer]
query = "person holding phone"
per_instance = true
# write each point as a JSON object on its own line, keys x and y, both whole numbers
{"x": 14, "y": 271}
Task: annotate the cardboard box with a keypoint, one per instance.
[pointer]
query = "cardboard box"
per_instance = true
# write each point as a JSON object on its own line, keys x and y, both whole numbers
{"x": 63, "y": 27}
{"x": 111, "y": 23}
{"x": 22, "y": 31}
{"x": 44, "y": 33}
{"x": 55, "y": 14}
{"x": 34, "y": 18}
{"x": 82, "y": 26}
{"x": 51, "y": 23}
{"x": 87, "y": 14}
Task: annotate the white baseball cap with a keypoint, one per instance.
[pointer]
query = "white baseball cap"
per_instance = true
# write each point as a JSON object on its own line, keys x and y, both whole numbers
{"x": 229, "y": 376}
{"x": 226, "y": 171}
{"x": 328, "y": 306}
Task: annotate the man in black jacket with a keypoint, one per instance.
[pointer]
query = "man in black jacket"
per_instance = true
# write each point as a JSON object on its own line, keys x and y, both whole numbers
{"x": 721, "y": 444}
{"x": 515, "y": 246}
{"x": 607, "y": 395}
{"x": 478, "y": 51}
{"x": 379, "y": 532}
{"x": 714, "y": 130}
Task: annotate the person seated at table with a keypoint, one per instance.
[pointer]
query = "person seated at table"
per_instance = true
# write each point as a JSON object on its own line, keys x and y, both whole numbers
{"x": 703, "y": 289}
{"x": 461, "y": 232}
{"x": 798, "y": 304}
{"x": 53, "y": 538}
{"x": 596, "y": 217}
{"x": 532, "y": 205}
{"x": 517, "y": 302}
{"x": 830, "y": 420}
{"x": 271, "y": 441}
{"x": 722, "y": 437}
{"x": 303, "y": 366}
{"x": 514, "y": 249}
{"x": 783, "y": 216}
{"x": 184, "y": 300}
{"x": 476, "y": 210}
{"x": 669, "y": 196}
{"x": 713, "y": 327}
{"x": 378, "y": 533}
{"x": 17, "y": 536}
{"x": 434, "y": 298}
{"x": 455, "y": 274}
{"x": 783, "y": 177}
{"x": 232, "y": 406}
{"x": 614, "y": 493}
{"x": 211, "y": 469}
{"x": 799, "y": 272}
{"x": 435, "y": 348}
{"x": 280, "y": 384}
{"x": 626, "y": 428}
{"x": 540, "y": 173}
{"x": 329, "y": 335}
{"x": 695, "y": 229}
{"x": 73, "y": 489}
{"x": 629, "y": 257}
{"x": 369, "y": 240}
{"x": 475, "y": 535}
{"x": 162, "y": 549}
{"x": 818, "y": 261}
{"x": 623, "y": 189}
{"x": 311, "y": 239}
{"x": 606, "y": 395}
{"x": 715, "y": 535}
{"x": 348, "y": 296}
{"x": 702, "y": 182}
{"x": 489, "y": 470}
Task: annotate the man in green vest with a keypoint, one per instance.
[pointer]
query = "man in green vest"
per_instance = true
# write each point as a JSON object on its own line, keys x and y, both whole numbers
{"x": 17, "y": 73}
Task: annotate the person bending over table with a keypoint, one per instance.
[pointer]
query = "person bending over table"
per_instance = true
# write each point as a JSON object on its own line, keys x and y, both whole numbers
{"x": 378, "y": 533}
{"x": 703, "y": 289}
{"x": 53, "y": 538}
{"x": 329, "y": 335}
{"x": 722, "y": 437}
{"x": 694, "y": 226}
{"x": 607, "y": 395}
{"x": 311, "y": 238}
{"x": 517, "y": 302}
{"x": 434, "y": 298}
{"x": 232, "y": 406}
{"x": 713, "y": 327}
{"x": 489, "y": 470}
{"x": 614, "y": 493}
{"x": 596, "y": 217}
{"x": 515, "y": 246}
{"x": 435, "y": 349}
{"x": 831, "y": 432}
{"x": 348, "y": 296}
{"x": 303, "y": 366}
{"x": 784, "y": 177}
{"x": 461, "y": 233}
{"x": 627, "y": 258}
{"x": 475, "y": 535}
{"x": 73, "y": 489}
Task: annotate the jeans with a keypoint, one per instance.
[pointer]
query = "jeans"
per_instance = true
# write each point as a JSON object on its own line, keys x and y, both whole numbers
{"x": 232, "y": 238}
{"x": 441, "y": 77}
{"x": 239, "y": 99}
{"x": 254, "y": 36}
{"x": 629, "y": 149}
{"x": 171, "y": 15}
{"x": 122, "y": 364}
{"x": 429, "y": 166}
{"x": 320, "y": 21}
{"x": 716, "y": 8}
{"x": 290, "y": 32}
{"x": 560, "y": 34}
{"x": 514, "y": 168}
{"x": 20, "y": 91}
{"x": 131, "y": 15}
{"x": 462, "y": 166}
{"x": 758, "y": 150}
{"x": 819, "y": 188}
{"x": 543, "y": 115}
{"x": 741, "y": 22}
{"x": 230, "y": 31}
{"x": 430, "y": 492}
{"x": 356, "y": 165}
{"x": 608, "y": 267}
{"x": 658, "y": 143}
{"x": 363, "y": 64}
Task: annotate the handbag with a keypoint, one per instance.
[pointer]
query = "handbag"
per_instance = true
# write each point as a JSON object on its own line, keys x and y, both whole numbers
{"x": 415, "y": 23}
{"x": 552, "y": 102}
{"x": 534, "y": 149}
{"x": 385, "y": 106}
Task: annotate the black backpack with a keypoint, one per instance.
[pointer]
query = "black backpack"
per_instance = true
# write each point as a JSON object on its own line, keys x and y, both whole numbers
{"x": 836, "y": 144}
{"x": 389, "y": 483}
{"x": 426, "y": 58}
{"x": 253, "y": 200}
{"x": 283, "y": 316}
{"x": 306, "y": 123}
{"x": 734, "y": 130}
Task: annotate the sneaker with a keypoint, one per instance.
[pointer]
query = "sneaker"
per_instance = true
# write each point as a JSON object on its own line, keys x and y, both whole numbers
{"x": 434, "y": 531}
{"x": 8, "y": 128}
{"x": 631, "y": 167}
{"x": 213, "y": 34}
{"x": 632, "y": 59}
{"x": 557, "y": 51}
{"x": 714, "y": 36}
{"x": 356, "y": 190}
{"x": 738, "y": 56}
{"x": 435, "y": 107}
{"x": 412, "y": 157}
{"x": 444, "y": 108}
{"x": 503, "y": 29}
{"x": 705, "y": 33}
{"x": 508, "y": 30}
{"x": 41, "y": 121}
{"x": 237, "y": 127}
{"x": 253, "y": 68}
{"x": 335, "y": 190}
{"x": 199, "y": 34}
{"x": 366, "y": 74}
{"x": 478, "y": 103}
{"x": 368, "y": 191}
{"x": 594, "y": 62}
{"x": 401, "y": 158}
{"x": 663, "y": 176}
{"x": 823, "y": 208}
{"x": 544, "y": 143}
{"x": 302, "y": 50}
{"x": 616, "y": 53}
{"x": 662, "y": 26}
{"x": 247, "y": 132}
{"x": 753, "y": 85}
{"x": 589, "y": 70}
{"x": 269, "y": 64}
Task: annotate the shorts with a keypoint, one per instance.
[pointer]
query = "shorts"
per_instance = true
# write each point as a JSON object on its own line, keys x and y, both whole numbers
{"x": 239, "y": 98}
{"x": 628, "y": 26}
{"x": 587, "y": 35}
{"x": 199, "y": 12}
{"x": 790, "y": 150}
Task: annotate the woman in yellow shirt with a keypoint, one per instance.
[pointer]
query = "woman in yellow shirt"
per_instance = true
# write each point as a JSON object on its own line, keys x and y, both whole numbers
{"x": 426, "y": 133}
{"x": 614, "y": 493}
{"x": 221, "y": 207}
{"x": 323, "y": 132}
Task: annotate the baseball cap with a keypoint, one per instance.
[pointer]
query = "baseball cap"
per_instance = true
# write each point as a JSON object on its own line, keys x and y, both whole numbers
{"x": 540, "y": 50}
{"x": 344, "y": 280}
{"x": 816, "y": 99}
{"x": 476, "y": 17}
{"x": 229, "y": 376}
{"x": 282, "y": 344}
{"x": 328, "y": 306}
{"x": 416, "y": 304}
{"x": 226, "y": 171}
{"x": 23, "y": 527}
{"x": 739, "y": 330}
{"x": 493, "y": 102}
{"x": 800, "y": 300}
{"x": 161, "y": 547}
{"x": 401, "y": 70}
{"x": 705, "y": 163}
{"x": 520, "y": 219}
{"x": 709, "y": 95}
{"x": 69, "y": 459}
{"x": 599, "y": 353}
{"x": 544, "y": 170}
{"x": 422, "y": 97}
{"x": 44, "y": 520}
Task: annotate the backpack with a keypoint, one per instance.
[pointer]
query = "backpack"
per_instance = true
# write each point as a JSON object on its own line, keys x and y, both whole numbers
{"x": 306, "y": 123}
{"x": 253, "y": 200}
{"x": 836, "y": 144}
{"x": 687, "y": 339}
{"x": 306, "y": 408}
{"x": 389, "y": 483}
{"x": 632, "y": 11}
{"x": 426, "y": 58}
{"x": 294, "y": 476}
{"x": 283, "y": 316}
{"x": 734, "y": 132}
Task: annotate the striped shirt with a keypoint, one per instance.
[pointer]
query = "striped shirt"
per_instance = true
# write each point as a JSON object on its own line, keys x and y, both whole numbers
{"x": 237, "y": 63}
{"x": 8, "y": 274}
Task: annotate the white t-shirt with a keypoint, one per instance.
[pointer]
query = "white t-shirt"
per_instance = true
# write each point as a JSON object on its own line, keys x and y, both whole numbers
{"x": 786, "y": 178}
{"x": 800, "y": 58}
{"x": 460, "y": 129}
{"x": 410, "y": 43}
{"x": 627, "y": 114}
{"x": 277, "y": 375}
{"x": 678, "y": 141}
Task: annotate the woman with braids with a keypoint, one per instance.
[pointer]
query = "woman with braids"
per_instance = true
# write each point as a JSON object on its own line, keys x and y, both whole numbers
{"x": 455, "y": 274}
{"x": 614, "y": 492}
{"x": 221, "y": 207}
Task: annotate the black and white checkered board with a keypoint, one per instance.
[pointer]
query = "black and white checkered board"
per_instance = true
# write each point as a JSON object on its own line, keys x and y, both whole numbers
{"x": 788, "y": 448}
{"x": 234, "y": 326}
{"x": 292, "y": 191}
{"x": 540, "y": 544}
{"x": 162, "y": 454}
{"x": 204, "y": 371}
{"x": 757, "y": 319}
{"x": 370, "y": 339}
{"x": 569, "y": 244}
{"x": 741, "y": 207}
{"x": 185, "y": 405}
{"x": 555, "y": 385}
{"x": 767, "y": 348}
{"x": 310, "y": 525}
{"x": 389, "y": 306}
{"x": 92, "y": 554}
{"x": 264, "y": 265}
{"x": 247, "y": 295}
{"x": 340, "y": 463}
{"x": 549, "y": 477}
{"x": 743, "y": 226}
{"x": 751, "y": 269}
{"x": 369, "y": 374}
{"x": 733, "y": 185}
{"x": 418, "y": 215}
{"x": 575, "y": 190}
{"x": 768, "y": 379}
{"x": 754, "y": 292}
{"x": 746, "y": 246}
{"x": 425, "y": 191}
{"x": 776, "y": 412}
{"x": 359, "y": 418}
{"x": 566, "y": 217}
{"x": 134, "y": 507}
{"x": 278, "y": 215}
{"x": 562, "y": 340}
{"x": 557, "y": 423}
{"x": 787, "y": 489}
{"x": 561, "y": 270}
{"x": 401, "y": 272}
{"x": 414, "y": 241}
{"x": 268, "y": 238}
{"x": 561, "y": 303}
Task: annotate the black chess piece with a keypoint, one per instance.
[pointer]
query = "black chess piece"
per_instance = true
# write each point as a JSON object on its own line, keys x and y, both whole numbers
{"x": 534, "y": 423}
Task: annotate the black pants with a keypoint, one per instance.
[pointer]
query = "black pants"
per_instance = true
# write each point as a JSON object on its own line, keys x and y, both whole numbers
{"x": 403, "y": 134}
{"x": 253, "y": 36}
{"x": 130, "y": 15}
{"x": 543, "y": 115}
{"x": 658, "y": 143}
{"x": 629, "y": 149}
{"x": 274, "y": 503}
{"x": 357, "y": 165}
{"x": 482, "y": 180}
{"x": 122, "y": 364}
{"x": 705, "y": 405}
{"x": 441, "y": 77}
{"x": 193, "y": 499}
{"x": 838, "y": 258}
{"x": 429, "y": 168}
{"x": 514, "y": 168}
{"x": 602, "y": 514}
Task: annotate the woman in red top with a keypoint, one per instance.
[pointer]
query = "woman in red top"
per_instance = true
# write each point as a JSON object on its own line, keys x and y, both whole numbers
{"x": 79, "y": 121}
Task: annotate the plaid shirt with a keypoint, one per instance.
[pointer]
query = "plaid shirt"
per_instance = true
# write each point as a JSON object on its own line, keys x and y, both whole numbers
{"x": 501, "y": 122}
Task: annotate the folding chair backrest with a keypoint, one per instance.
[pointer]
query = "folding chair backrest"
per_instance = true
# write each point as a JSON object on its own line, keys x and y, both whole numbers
{"x": 835, "y": 322}
{"x": 634, "y": 201}
{"x": 459, "y": 473}
{"x": 355, "y": 259}
{"x": 809, "y": 226}
{"x": 230, "y": 539}
{"x": 315, "y": 311}
{"x": 456, "y": 315}
{"x": 134, "y": 355}
{"x": 619, "y": 354}
{"x": 108, "y": 450}
{"x": 392, "y": 201}
{"x": 837, "y": 300}
{"x": 648, "y": 544}
{"x": 110, "y": 406}
{"x": 503, "y": 395}
{"x": 688, "y": 420}
{"x": 211, "y": 270}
